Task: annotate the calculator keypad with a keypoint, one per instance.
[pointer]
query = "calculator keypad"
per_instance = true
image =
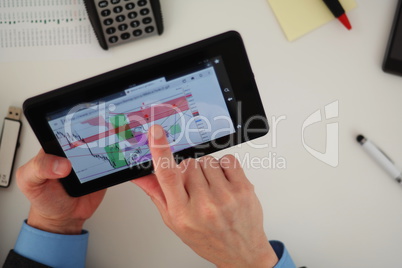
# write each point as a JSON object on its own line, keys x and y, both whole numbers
{"x": 126, "y": 20}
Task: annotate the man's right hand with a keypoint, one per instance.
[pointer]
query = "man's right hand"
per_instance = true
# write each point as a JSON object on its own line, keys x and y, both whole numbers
{"x": 52, "y": 209}
{"x": 210, "y": 205}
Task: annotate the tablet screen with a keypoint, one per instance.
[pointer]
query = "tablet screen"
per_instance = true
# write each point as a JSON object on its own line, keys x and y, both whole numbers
{"x": 109, "y": 134}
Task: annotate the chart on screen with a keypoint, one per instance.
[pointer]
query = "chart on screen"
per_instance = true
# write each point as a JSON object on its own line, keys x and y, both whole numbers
{"x": 103, "y": 137}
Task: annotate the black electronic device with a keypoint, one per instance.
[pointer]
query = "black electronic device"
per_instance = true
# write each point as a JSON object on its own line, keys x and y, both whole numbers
{"x": 204, "y": 95}
{"x": 393, "y": 56}
{"x": 121, "y": 21}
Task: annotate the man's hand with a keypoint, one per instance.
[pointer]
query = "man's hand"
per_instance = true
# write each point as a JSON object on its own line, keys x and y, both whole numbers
{"x": 210, "y": 205}
{"x": 52, "y": 209}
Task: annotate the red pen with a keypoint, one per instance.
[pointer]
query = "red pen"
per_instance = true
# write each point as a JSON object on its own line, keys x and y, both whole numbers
{"x": 338, "y": 11}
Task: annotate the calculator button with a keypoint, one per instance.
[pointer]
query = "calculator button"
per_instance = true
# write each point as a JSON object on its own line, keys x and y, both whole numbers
{"x": 108, "y": 22}
{"x": 142, "y": 3}
{"x": 120, "y": 18}
{"x": 144, "y": 11}
{"x": 110, "y": 30}
{"x": 130, "y": 6}
{"x": 137, "y": 32}
{"x": 105, "y": 12}
{"x": 118, "y": 9}
{"x": 125, "y": 36}
{"x": 147, "y": 20}
{"x": 149, "y": 29}
{"x": 115, "y": 2}
{"x": 132, "y": 15}
{"x": 123, "y": 27}
{"x": 103, "y": 4}
{"x": 113, "y": 39}
{"x": 135, "y": 24}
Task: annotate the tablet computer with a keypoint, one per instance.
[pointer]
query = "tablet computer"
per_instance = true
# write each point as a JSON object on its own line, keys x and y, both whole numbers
{"x": 204, "y": 95}
{"x": 393, "y": 56}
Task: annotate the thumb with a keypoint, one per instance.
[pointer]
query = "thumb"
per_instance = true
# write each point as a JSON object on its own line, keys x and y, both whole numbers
{"x": 43, "y": 167}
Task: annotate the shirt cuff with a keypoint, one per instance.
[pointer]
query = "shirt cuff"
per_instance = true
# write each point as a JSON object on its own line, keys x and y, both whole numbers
{"x": 285, "y": 261}
{"x": 55, "y": 250}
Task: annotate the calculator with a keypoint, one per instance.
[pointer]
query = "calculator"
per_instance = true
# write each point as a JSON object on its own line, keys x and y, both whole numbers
{"x": 120, "y": 21}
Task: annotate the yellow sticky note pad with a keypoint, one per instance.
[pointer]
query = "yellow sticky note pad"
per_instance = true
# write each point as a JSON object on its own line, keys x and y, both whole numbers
{"x": 298, "y": 17}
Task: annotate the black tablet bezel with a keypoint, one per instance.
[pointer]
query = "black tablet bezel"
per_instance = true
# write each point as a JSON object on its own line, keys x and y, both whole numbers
{"x": 228, "y": 45}
{"x": 390, "y": 64}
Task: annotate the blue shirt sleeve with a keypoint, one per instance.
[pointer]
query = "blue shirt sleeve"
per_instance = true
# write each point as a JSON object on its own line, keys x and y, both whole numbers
{"x": 63, "y": 251}
{"x": 285, "y": 261}
{"x": 55, "y": 250}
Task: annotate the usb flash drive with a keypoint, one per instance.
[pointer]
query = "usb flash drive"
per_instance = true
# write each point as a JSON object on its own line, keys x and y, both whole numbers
{"x": 9, "y": 143}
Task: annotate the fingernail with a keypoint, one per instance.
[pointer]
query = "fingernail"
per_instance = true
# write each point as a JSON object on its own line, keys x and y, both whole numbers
{"x": 157, "y": 132}
{"x": 58, "y": 167}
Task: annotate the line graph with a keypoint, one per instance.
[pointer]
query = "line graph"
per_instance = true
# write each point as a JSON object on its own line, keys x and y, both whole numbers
{"x": 123, "y": 142}
{"x": 134, "y": 120}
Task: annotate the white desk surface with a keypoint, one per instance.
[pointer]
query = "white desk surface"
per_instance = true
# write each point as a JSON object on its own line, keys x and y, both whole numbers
{"x": 347, "y": 216}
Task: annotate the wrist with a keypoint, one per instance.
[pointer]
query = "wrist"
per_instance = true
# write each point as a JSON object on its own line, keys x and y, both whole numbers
{"x": 264, "y": 257}
{"x": 268, "y": 258}
{"x": 57, "y": 226}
